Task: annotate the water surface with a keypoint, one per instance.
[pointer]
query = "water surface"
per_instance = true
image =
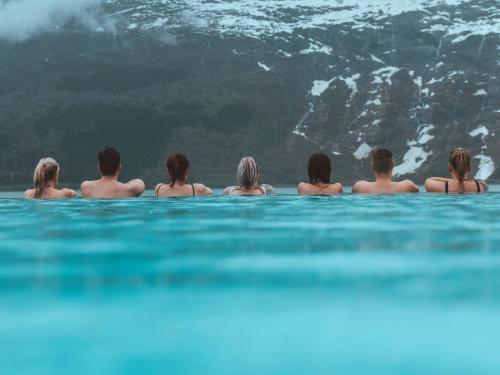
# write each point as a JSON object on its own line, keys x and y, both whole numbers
{"x": 268, "y": 285}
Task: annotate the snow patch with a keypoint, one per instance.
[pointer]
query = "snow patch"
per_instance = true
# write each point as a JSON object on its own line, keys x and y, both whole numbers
{"x": 264, "y": 67}
{"x": 319, "y": 87}
{"x": 363, "y": 151}
{"x": 482, "y": 131}
{"x": 480, "y": 92}
{"x": 486, "y": 167}
{"x": 385, "y": 74}
{"x": 412, "y": 160}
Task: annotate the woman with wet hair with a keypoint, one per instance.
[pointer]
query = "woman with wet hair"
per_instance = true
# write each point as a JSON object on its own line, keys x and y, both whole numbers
{"x": 248, "y": 180}
{"x": 459, "y": 166}
{"x": 45, "y": 178}
{"x": 177, "y": 167}
{"x": 319, "y": 170}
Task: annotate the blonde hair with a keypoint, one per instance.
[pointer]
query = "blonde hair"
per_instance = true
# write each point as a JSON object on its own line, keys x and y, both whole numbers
{"x": 47, "y": 170}
{"x": 248, "y": 173}
{"x": 460, "y": 163}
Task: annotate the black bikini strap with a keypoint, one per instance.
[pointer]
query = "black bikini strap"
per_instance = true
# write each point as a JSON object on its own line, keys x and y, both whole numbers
{"x": 446, "y": 187}
{"x": 194, "y": 193}
{"x": 478, "y": 186}
{"x": 157, "y": 190}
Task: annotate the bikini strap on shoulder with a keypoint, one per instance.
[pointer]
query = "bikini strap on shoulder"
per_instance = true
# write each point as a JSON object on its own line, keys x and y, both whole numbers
{"x": 478, "y": 186}
{"x": 446, "y": 187}
{"x": 157, "y": 190}
{"x": 194, "y": 193}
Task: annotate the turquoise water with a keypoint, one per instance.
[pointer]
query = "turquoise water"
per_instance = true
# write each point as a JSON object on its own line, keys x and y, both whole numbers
{"x": 228, "y": 285}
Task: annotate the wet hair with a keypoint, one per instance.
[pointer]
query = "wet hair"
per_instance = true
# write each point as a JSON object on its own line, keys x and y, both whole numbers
{"x": 177, "y": 168}
{"x": 47, "y": 170}
{"x": 383, "y": 161}
{"x": 460, "y": 162}
{"x": 319, "y": 168}
{"x": 109, "y": 161}
{"x": 248, "y": 172}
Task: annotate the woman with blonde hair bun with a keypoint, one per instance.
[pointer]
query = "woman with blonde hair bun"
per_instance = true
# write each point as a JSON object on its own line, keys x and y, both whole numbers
{"x": 459, "y": 166}
{"x": 248, "y": 178}
{"x": 45, "y": 178}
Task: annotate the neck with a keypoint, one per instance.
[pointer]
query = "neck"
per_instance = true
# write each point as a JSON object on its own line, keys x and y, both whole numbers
{"x": 383, "y": 177}
{"x": 454, "y": 175}
{"x": 110, "y": 178}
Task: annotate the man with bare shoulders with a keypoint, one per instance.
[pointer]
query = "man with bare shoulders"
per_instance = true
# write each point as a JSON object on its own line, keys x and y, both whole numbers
{"x": 382, "y": 166}
{"x": 108, "y": 185}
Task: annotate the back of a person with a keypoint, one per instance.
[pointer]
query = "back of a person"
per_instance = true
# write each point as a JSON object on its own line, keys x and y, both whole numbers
{"x": 383, "y": 165}
{"x": 106, "y": 189}
{"x": 459, "y": 167}
{"x": 469, "y": 186}
{"x": 177, "y": 168}
{"x": 45, "y": 178}
{"x": 319, "y": 170}
{"x": 386, "y": 187}
{"x": 248, "y": 180}
{"x": 108, "y": 185}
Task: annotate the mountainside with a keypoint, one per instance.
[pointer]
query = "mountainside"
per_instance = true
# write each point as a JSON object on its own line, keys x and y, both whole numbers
{"x": 274, "y": 79}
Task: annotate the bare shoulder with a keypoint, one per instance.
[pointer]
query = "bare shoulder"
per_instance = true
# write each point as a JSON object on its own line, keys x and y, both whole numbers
{"x": 434, "y": 185}
{"x": 135, "y": 187}
{"x": 201, "y": 189}
{"x": 410, "y": 186}
{"x": 69, "y": 193}
{"x": 229, "y": 190}
{"x": 29, "y": 194}
{"x": 303, "y": 188}
{"x": 338, "y": 188}
{"x": 360, "y": 187}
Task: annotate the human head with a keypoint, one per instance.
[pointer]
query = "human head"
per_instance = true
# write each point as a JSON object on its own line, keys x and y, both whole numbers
{"x": 382, "y": 161}
{"x": 177, "y": 168}
{"x": 319, "y": 168}
{"x": 46, "y": 172}
{"x": 109, "y": 161}
{"x": 459, "y": 163}
{"x": 248, "y": 173}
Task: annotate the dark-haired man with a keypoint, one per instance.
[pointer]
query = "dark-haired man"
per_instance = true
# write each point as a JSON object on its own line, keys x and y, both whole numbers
{"x": 382, "y": 165}
{"x": 108, "y": 185}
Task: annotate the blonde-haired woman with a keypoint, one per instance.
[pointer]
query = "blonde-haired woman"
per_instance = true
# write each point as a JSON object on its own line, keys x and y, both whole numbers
{"x": 459, "y": 166}
{"x": 248, "y": 178}
{"x": 45, "y": 178}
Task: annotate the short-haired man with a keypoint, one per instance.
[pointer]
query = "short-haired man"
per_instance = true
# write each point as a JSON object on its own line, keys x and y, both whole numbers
{"x": 108, "y": 185}
{"x": 382, "y": 165}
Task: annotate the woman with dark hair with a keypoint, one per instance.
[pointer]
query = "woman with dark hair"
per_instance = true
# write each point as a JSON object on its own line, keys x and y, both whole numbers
{"x": 319, "y": 170}
{"x": 178, "y": 171}
{"x": 45, "y": 178}
{"x": 459, "y": 166}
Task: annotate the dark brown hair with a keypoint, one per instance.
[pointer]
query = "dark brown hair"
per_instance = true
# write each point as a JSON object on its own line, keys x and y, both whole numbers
{"x": 177, "y": 167}
{"x": 383, "y": 161}
{"x": 319, "y": 168}
{"x": 109, "y": 161}
{"x": 459, "y": 161}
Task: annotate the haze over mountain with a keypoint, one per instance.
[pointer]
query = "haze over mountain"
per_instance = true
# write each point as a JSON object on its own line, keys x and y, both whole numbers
{"x": 222, "y": 79}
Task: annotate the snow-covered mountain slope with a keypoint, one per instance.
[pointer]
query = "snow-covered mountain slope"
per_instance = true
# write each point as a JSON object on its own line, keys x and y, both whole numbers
{"x": 419, "y": 77}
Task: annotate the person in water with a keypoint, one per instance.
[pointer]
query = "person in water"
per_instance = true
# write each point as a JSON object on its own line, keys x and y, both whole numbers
{"x": 459, "y": 166}
{"x": 382, "y": 165}
{"x": 178, "y": 171}
{"x": 319, "y": 170}
{"x": 248, "y": 178}
{"x": 108, "y": 185}
{"x": 45, "y": 178}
